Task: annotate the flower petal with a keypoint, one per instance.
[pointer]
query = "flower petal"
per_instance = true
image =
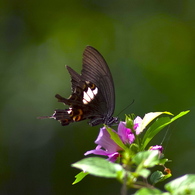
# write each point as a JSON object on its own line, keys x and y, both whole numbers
{"x": 113, "y": 157}
{"x": 98, "y": 152}
{"x": 106, "y": 142}
{"x": 137, "y": 125}
{"x": 125, "y": 133}
{"x": 157, "y": 147}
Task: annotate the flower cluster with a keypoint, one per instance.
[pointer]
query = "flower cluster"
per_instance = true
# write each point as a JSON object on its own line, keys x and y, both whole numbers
{"x": 107, "y": 147}
{"x": 129, "y": 159}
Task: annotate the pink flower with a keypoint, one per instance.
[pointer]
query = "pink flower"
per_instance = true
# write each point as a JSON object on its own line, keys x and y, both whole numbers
{"x": 157, "y": 147}
{"x": 125, "y": 133}
{"x": 137, "y": 125}
{"x": 107, "y": 147}
{"x": 104, "y": 141}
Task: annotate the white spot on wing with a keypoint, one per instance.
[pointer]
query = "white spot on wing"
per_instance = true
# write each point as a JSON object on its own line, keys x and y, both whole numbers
{"x": 85, "y": 102}
{"x": 89, "y": 95}
{"x": 95, "y": 91}
{"x": 69, "y": 111}
{"x": 86, "y": 97}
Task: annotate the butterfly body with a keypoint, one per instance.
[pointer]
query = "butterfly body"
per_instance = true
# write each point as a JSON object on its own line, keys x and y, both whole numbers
{"x": 92, "y": 95}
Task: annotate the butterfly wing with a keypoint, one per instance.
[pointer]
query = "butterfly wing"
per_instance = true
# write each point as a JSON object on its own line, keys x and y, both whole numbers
{"x": 75, "y": 78}
{"x": 92, "y": 95}
{"x": 96, "y": 70}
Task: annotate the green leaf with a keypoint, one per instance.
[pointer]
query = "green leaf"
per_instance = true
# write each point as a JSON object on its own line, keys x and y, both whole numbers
{"x": 79, "y": 177}
{"x": 147, "y": 158}
{"x": 158, "y": 176}
{"x": 149, "y": 117}
{"x": 179, "y": 115}
{"x": 157, "y": 126}
{"x": 134, "y": 148}
{"x": 99, "y": 167}
{"x": 129, "y": 120}
{"x": 143, "y": 172}
{"x": 183, "y": 185}
{"x": 149, "y": 191}
{"x": 162, "y": 161}
{"x": 115, "y": 137}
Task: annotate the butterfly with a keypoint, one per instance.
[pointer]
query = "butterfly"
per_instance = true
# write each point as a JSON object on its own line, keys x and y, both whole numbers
{"x": 93, "y": 94}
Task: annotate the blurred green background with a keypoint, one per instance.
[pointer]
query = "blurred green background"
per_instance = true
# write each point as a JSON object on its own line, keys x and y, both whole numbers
{"x": 149, "y": 47}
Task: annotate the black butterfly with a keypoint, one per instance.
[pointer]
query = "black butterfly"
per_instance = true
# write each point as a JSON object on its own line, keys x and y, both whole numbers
{"x": 93, "y": 95}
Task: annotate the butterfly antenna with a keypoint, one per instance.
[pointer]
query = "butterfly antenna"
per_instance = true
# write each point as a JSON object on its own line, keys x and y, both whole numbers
{"x": 125, "y": 108}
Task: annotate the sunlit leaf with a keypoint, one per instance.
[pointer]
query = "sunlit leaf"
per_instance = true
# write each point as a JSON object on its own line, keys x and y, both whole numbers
{"x": 158, "y": 176}
{"x": 147, "y": 158}
{"x": 183, "y": 185}
{"x": 157, "y": 126}
{"x": 115, "y": 137}
{"x": 149, "y": 191}
{"x": 79, "y": 177}
{"x": 99, "y": 167}
{"x": 143, "y": 172}
{"x": 149, "y": 117}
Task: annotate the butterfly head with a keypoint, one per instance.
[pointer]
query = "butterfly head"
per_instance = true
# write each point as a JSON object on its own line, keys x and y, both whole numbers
{"x": 111, "y": 121}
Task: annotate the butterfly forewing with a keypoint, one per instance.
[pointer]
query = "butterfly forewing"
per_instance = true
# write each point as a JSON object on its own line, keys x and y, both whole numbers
{"x": 97, "y": 71}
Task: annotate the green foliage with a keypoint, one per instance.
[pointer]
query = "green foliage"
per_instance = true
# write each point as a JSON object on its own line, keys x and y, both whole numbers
{"x": 157, "y": 126}
{"x": 99, "y": 167}
{"x": 148, "y": 191}
{"x": 133, "y": 167}
{"x": 114, "y": 136}
{"x": 183, "y": 185}
{"x": 146, "y": 158}
{"x": 129, "y": 121}
{"x": 149, "y": 117}
{"x": 79, "y": 177}
{"x": 158, "y": 176}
